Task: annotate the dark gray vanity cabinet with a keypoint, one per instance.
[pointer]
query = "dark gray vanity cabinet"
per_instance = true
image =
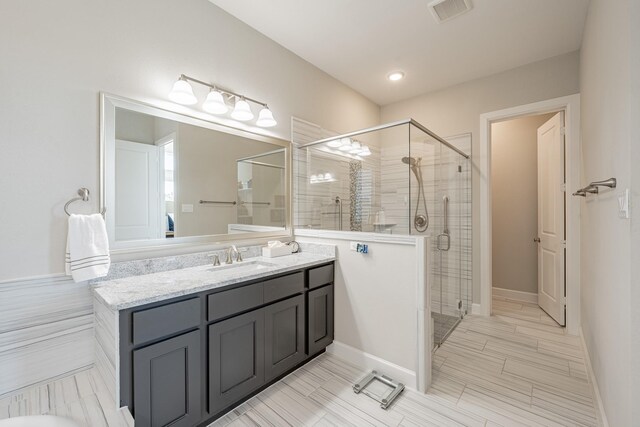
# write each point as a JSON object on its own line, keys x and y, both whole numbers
{"x": 236, "y": 354}
{"x": 167, "y": 382}
{"x": 284, "y": 328}
{"x": 184, "y": 361}
{"x": 320, "y": 315}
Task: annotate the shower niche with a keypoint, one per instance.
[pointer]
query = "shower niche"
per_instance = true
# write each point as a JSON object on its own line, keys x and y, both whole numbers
{"x": 399, "y": 179}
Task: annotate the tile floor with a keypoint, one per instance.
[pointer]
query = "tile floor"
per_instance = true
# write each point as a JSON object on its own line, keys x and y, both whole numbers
{"x": 516, "y": 368}
{"x": 82, "y": 396}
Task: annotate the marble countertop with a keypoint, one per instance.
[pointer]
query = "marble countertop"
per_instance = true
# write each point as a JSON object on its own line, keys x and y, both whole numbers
{"x": 120, "y": 294}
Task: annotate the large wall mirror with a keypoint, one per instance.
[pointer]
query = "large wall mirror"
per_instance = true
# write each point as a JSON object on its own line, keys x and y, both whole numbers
{"x": 173, "y": 178}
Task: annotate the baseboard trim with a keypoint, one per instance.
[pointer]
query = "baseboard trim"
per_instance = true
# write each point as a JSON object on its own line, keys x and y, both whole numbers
{"x": 476, "y": 309}
{"x": 369, "y": 361}
{"x": 528, "y": 297}
{"x": 602, "y": 416}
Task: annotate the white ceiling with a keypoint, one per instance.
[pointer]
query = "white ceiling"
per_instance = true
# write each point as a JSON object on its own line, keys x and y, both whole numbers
{"x": 360, "y": 41}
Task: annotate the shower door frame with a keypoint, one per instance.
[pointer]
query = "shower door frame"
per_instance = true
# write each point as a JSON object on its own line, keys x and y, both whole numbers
{"x": 571, "y": 107}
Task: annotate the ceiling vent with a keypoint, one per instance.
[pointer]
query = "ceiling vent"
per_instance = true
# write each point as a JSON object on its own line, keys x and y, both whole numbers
{"x": 443, "y": 10}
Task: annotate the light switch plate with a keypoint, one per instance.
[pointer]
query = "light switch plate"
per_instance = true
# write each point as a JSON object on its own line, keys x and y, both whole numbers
{"x": 187, "y": 208}
{"x": 623, "y": 204}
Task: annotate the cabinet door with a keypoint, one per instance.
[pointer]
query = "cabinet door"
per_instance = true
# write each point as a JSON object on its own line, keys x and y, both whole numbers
{"x": 166, "y": 382}
{"x": 320, "y": 318}
{"x": 284, "y": 336}
{"x": 236, "y": 359}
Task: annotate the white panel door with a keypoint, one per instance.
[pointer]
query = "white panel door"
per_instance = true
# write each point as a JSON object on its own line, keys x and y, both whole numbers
{"x": 551, "y": 218}
{"x": 137, "y": 205}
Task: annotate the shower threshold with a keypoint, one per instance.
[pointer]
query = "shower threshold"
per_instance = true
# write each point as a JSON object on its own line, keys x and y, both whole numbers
{"x": 443, "y": 326}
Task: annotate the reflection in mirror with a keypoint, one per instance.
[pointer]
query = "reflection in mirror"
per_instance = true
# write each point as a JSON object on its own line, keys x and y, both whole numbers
{"x": 261, "y": 198}
{"x": 170, "y": 179}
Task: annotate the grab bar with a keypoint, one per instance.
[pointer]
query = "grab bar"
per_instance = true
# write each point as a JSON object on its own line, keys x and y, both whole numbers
{"x": 256, "y": 203}
{"x": 216, "y": 202}
{"x": 445, "y": 232}
{"x": 338, "y": 202}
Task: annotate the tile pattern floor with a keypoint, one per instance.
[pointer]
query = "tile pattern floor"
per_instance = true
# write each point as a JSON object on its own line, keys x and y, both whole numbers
{"x": 83, "y": 397}
{"x": 517, "y": 368}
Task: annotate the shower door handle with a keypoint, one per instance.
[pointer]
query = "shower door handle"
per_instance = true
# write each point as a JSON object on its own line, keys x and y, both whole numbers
{"x": 445, "y": 233}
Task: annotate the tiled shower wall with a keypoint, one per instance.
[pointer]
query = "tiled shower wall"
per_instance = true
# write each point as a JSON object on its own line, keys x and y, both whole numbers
{"x": 384, "y": 183}
{"x": 355, "y": 183}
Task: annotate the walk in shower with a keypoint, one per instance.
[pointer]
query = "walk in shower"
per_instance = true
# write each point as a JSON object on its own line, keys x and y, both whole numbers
{"x": 399, "y": 179}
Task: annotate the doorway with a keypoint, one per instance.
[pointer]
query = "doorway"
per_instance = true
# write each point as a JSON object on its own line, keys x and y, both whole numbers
{"x": 528, "y": 214}
{"x": 570, "y": 105}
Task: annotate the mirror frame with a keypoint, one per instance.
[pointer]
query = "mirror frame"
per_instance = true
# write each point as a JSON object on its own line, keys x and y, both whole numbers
{"x": 108, "y": 105}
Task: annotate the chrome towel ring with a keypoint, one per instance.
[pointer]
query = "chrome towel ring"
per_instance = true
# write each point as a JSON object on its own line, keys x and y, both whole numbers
{"x": 84, "y": 196}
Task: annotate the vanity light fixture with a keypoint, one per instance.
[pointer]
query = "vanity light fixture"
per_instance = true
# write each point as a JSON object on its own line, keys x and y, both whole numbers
{"x": 347, "y": 147}
{"x": 395, "y": 76}
{"x": 214, "y": 103}
{"x": 182, "y": 92}
{"x": 335, "y": 143}
{"x": 265, "y": 118}
{"x": 356, "y": 148}
{"x": 242, "y": 111}
{"x": 217, "y": 101}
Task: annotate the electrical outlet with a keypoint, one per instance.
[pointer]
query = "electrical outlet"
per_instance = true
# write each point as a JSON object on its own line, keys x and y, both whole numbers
{"x": 359, "y": 247}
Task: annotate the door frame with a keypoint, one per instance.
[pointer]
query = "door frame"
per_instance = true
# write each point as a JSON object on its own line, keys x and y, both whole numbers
{"x": 571, "y": 107}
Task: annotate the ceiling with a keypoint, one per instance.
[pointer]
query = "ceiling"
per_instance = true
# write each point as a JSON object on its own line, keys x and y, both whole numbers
{"x": 360, "y": 41}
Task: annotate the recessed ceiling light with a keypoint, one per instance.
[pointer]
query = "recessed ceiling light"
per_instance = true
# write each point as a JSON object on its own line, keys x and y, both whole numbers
{"x": 395, "y": 76}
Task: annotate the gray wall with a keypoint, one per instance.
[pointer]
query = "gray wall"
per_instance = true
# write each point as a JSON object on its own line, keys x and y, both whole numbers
{"x": 56, "y": 58}
{"x": 609, "y": 248}
{"x": 514, "y": 193}
{"x": 457, "y": 110}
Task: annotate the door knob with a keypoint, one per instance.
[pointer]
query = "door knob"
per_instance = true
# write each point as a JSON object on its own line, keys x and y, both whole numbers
{"x": 537, "y": 240}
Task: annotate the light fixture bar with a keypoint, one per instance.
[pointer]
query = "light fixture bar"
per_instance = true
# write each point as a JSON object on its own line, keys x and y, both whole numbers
{"x": 225, "y": 91}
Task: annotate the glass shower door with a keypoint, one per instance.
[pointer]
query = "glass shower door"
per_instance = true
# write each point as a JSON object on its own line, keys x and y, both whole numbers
{"x": 450, "y": 293}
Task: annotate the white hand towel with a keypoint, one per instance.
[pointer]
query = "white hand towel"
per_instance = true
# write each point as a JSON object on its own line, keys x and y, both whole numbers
{"x": 87, "y": 255}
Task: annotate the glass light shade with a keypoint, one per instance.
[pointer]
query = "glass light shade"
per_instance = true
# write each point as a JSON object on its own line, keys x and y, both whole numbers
{"x": 214, "y": 103}
{"x": 346, "y": 145}
{"x": 356, "y": 148}
{"x": 365, "y": 151}
{"x": 335, "y": 143}
{"x": 328, "y": 176}
{"x": 242, "y": 111}
{"x": 182, "y": 93}
{"x": 265, "y": 118}
{"x": 313, "y": 178}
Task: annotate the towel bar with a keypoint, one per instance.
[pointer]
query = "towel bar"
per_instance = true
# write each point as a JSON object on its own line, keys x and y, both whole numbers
{"x": 84, "y": 196}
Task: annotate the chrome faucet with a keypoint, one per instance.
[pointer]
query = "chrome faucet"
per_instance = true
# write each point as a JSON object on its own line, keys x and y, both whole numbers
{"x": 230, "y": 252}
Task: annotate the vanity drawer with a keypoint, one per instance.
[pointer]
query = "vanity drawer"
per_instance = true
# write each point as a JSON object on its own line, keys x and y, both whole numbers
{"x": 158, "y": 322}
{"x": 283, "y": 287}
{"x": 227, "y": 303}
{"x": 320, "y": 276}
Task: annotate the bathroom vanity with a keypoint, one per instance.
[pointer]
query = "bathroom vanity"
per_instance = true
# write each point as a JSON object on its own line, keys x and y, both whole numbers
{"x": 181, "y": 347}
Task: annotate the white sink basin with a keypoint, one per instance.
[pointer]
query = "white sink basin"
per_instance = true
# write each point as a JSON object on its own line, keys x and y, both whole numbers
{"x": 244, "y": 266}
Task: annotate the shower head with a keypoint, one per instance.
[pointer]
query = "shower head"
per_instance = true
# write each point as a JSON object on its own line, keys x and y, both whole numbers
{"x": 411, "y": 161}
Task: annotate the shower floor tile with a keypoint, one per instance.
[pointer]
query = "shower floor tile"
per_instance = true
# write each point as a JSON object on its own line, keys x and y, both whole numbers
{"x": 443, "y": 325}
